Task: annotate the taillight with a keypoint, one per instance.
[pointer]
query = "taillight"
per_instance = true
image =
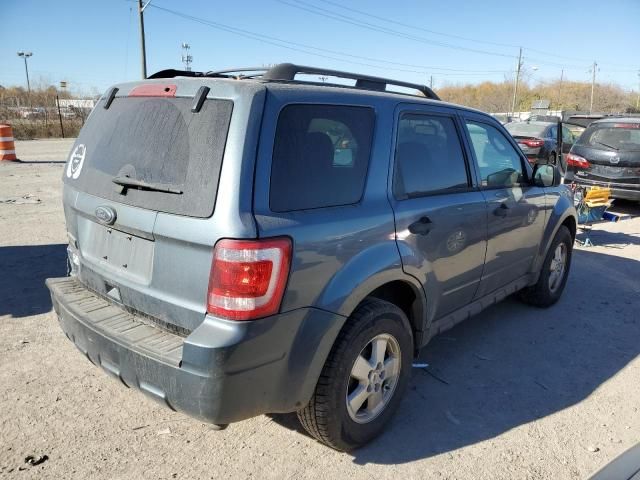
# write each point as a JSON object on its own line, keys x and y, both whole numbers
{"x": 577, "y": 161}
{"x": 248, "y": 278}
{"x": 533, "y": 143}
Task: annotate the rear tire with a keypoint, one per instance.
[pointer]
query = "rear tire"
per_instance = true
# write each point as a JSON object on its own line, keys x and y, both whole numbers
{"x": 362, "y": 382}
{"x": 554, "y": 272}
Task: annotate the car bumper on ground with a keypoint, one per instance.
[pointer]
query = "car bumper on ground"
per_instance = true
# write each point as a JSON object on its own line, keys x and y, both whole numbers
{"x": 622, "y": 191}
{"x": 222, "y": 372}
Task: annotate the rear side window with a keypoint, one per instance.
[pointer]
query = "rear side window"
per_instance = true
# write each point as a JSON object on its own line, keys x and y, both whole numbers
{"x": 320, "y": 156}
{"x": 429, "y": 157}
{"x": 154, "y": 140}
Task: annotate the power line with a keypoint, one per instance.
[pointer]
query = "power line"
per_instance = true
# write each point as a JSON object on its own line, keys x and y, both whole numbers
{"x": 459, "y": 37}
{"x": 414, "y": 27}
{"x": 353, "y": 21}
{"x": 300, "y": 47}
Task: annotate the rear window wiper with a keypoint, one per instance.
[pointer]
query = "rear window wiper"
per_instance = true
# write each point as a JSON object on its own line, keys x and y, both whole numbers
{"x": 607, "y": 145}
{"x": 141, "y": 184}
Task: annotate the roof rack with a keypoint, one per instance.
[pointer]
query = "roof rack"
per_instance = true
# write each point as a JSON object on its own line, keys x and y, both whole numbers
{"x": 286, "y": 72}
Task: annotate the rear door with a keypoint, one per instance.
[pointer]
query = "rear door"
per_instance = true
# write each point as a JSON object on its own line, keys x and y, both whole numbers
{"x": 515, "y": 216}
{"x": 148, "y": 247}
{"x": 440, "y": 215}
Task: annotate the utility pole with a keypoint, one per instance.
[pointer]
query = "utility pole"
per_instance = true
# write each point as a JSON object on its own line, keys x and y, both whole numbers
{"x": 560, "y": 90}
{"x": 25, "y": 56}
{"x": 515, "y": 87}
{"x": 431, "y": 82}
{"x": 593, "y": 84}
{"x": 143, "y": 50}
{"x": 63, "y": 85}
{"x": 638, "y": 100}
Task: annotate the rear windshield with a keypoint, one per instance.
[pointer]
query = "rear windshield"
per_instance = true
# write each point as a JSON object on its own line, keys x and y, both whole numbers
{"x": 524, "y": 129}
{"x": 320, "y": 156}
{"x": 153, "y": 140}
{"x": 611, "y": 136}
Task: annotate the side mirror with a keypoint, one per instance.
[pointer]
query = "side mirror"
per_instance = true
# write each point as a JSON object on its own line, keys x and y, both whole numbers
{"x": 545, "y": 175}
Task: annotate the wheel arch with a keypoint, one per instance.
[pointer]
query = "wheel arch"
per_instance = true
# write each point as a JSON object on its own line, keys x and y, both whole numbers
{"x": 377, "y": 272}
{"x": 562, "y": 214}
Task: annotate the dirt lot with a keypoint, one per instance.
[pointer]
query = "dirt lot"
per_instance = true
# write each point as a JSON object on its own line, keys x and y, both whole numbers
{"x": 513, "y": 393}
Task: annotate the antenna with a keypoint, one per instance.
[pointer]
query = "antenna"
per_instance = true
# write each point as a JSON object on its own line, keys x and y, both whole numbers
{"x": 186, "y": 58}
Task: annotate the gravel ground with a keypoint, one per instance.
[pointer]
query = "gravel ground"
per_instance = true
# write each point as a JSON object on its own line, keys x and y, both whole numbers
{"x": 515, "y": 392}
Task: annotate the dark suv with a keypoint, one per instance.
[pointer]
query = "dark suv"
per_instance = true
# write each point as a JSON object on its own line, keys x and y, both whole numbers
{"x": 607, "y": 154}
{"x": 244, "y": 242}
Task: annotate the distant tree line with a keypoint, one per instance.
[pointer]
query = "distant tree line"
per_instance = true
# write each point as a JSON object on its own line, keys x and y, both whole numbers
{"x": 566, "y": 95}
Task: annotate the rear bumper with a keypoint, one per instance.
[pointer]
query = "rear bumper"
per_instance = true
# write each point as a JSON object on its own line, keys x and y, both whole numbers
{"x": 618, "y": 190}
{"x": 222, "y": 372}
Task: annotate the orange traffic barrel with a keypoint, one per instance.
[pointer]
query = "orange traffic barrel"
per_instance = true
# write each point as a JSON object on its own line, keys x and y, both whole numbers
{"x": 7, "y": 147}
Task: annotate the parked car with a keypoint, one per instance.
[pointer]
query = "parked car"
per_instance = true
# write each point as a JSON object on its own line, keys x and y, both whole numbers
{"x": 504, "y": 118}
{"x": 539, "y": 142}
{"x": 238, "y": 246}
{"x": 607, "y": 154}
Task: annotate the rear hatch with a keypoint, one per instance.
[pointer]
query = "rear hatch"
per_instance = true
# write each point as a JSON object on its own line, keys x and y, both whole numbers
{"x": 611, "y": 151}
{"x": 140, "y": 186}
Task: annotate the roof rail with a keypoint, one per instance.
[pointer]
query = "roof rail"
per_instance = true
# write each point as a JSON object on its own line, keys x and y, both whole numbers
{"x": 171, "y": 73}
{"x": 288, "y": 72}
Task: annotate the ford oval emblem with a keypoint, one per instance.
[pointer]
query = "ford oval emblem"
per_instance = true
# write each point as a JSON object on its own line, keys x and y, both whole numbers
{"x": 106, "y": 215}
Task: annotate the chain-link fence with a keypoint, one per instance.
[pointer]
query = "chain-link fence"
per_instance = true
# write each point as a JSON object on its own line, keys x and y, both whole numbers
{"x": 43, "y": 113}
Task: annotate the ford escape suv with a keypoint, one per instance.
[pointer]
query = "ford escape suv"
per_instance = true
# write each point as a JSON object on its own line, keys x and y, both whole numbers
{"x": 247, "y": 242}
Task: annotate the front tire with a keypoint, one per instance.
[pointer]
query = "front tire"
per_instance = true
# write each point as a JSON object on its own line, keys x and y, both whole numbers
{"x": 554, "y": 272}
{"x": 363, "y": 379}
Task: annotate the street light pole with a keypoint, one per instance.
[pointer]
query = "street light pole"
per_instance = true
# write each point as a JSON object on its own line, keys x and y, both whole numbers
{"x": 593, "y": 84}
{"x": 26, "y": 55}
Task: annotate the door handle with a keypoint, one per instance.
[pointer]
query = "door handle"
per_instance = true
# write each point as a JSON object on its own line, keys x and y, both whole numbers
{"x": 421, "y": 227}
{"x": 502, "y": 210}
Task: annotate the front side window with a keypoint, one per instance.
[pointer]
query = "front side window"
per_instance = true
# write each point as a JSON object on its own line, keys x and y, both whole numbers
{"x": 499, "y": 162}
{"x": 428, "y": 157}
{"x": 320, "y": 156}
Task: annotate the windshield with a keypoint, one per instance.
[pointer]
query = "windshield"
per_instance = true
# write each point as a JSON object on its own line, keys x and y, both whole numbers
{"x": 608, "y": 136}
{"x": 524, "y": 129}
{"x": 155, "y": 143}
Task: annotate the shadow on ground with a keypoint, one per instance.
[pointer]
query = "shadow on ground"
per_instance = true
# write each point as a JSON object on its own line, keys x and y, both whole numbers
{"x": 514, "y": 364}
{"x": 24, "y": 269}
{"x": 40, "y": 162}
{"x": 627, "y": 207}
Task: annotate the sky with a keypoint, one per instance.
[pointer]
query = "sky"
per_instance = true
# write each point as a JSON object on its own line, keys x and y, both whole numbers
{"x": 95, "y": 43}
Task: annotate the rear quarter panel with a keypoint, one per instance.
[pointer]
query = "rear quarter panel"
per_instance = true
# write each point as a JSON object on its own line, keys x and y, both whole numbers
{"x": 342, "y": 253}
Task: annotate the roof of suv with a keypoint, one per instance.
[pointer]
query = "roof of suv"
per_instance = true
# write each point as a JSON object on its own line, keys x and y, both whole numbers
{"x": 618, "y": 120}
{"x": 253, "y": 79}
